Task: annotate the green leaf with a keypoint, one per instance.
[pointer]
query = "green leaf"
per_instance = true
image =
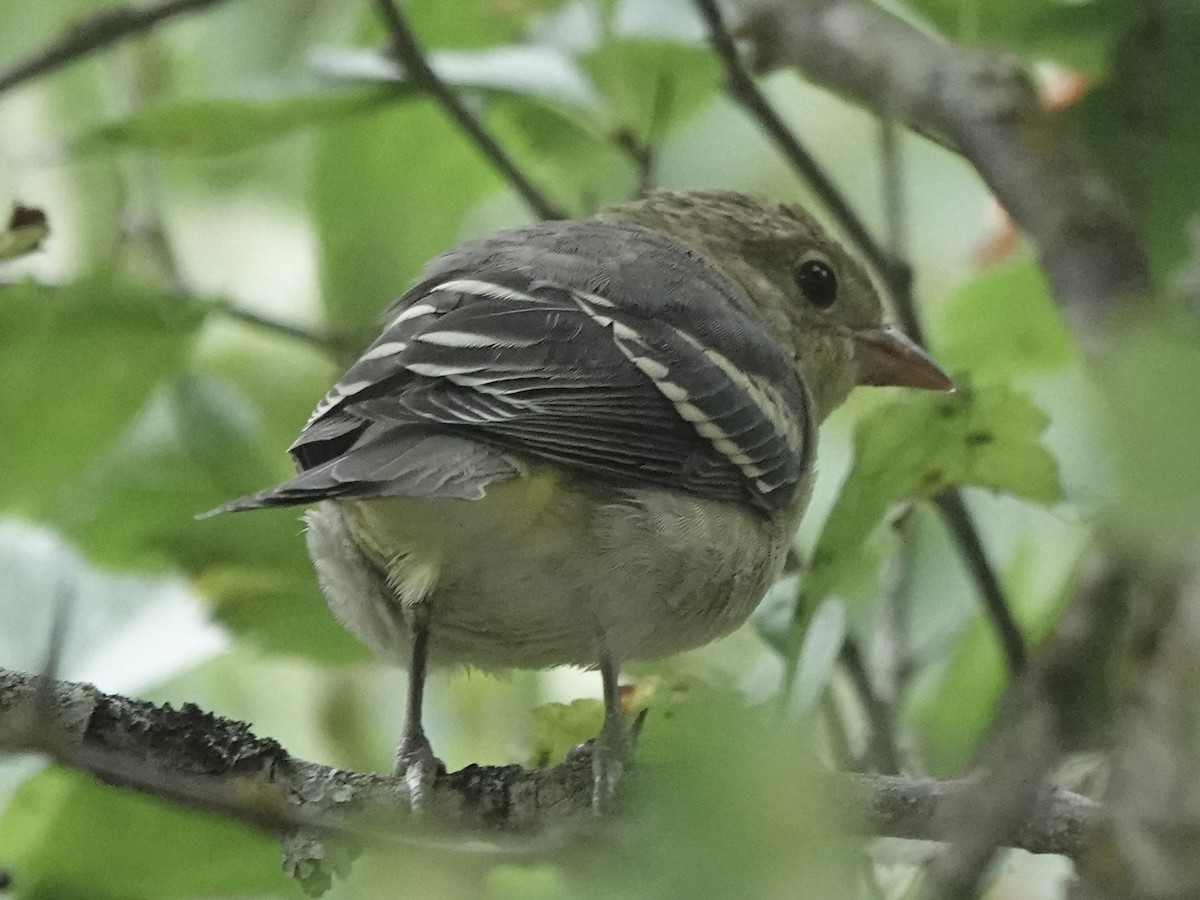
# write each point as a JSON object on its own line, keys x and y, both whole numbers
{"x": 953, "y": 706}
{"x": 1142, "y": 126}
{"x": 210, "y": 127}
{"x": 915, "y": 449}
{"x": 77, "y": 363}
{"x": 650, "y": 86}
{"x": 823, "y": 639}
{"x": 523, "y": 70}
{"x": 195, "y": 447}
{"x": 563, "y": 152}
{"x": 1151, "y": 380}
{"x": 390, "y": 191}
{"x": 1001, "y": 325}
{"x": 557, "y": 727}
{"x": 1076, "y": 33}
{"x": 67, "y": 837}
{"x": 278, "y": 608}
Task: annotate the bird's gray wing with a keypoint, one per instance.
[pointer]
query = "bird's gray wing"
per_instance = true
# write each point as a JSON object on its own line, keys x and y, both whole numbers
{"x": 521, "y": 370}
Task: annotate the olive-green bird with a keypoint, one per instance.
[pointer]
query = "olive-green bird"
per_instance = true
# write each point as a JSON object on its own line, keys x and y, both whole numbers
{"x": 585, "y": 442}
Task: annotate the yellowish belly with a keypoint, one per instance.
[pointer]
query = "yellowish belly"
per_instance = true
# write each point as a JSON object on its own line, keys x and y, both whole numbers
{"x": 539, "y": 574}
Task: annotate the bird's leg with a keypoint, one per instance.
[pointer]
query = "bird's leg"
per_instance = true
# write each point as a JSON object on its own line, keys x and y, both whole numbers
{"x": 415, "y": 762}
{"x": 612, "y": 751}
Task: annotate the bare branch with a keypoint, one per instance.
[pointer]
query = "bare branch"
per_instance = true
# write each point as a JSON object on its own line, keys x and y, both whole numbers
{"x": 97, "y": 31}
{"x": 984, "y": 106}
{"x": 319, "y": 340}
{"x": 420, "y": 74}
{"x": 1059, "y": 821}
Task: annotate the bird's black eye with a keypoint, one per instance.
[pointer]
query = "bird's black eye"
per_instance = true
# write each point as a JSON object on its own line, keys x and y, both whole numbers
{"x": 817, "y": 281}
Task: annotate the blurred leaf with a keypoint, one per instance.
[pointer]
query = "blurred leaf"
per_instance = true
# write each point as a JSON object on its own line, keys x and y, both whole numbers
{"x": 530, "y": 70}
{"x": 278, "y": 608}
{"x": 557, "y": 727}
{"x": 734, "y": 804}
{"x": 920, "y": 447}
{"x": 650, "y": 86}
{"x": 823, "y": 639}
{"x": 203, "y": 127}
{"x": 509, "y": 881}
{"x": 1142, "y": 126}
{"x": 77, "y": 363}
{"x": 1076, "y": 33}
{"x": 474, "y": 23}
{"x": 281, "y": 377}
{"x": 957, "y": 712}
{"x": 1001, "y": 325}
{"x": 562, "y": 151}
{"x": 67, "y": 837}
{"x": 194, "y": 447}
{"x": 191, "y": 449}
{"x": 1151, "y": 380}
{"x": 390, "y": 191}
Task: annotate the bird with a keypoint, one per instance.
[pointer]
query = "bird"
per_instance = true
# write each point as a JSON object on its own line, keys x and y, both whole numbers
{"x": 586, "y": 442}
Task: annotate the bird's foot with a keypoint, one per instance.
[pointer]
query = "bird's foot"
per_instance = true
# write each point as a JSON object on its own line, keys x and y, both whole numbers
{"x": 418, "y": 767}
{"x": 612, "y": 759}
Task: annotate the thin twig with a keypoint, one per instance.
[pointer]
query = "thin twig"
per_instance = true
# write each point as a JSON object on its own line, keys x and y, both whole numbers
{"x": 321, "y": 341}
{"x": 966, "y": 535}
{"x": 743, "y": 89}
{"x": 97, "y": 31}
{"x": 420, "y": 74}
{"x": 882, "y": 747}
{"x": 984, "y": 105}
{"x": 891, "y": 268}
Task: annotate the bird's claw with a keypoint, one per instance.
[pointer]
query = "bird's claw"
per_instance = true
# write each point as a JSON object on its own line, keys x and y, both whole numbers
{"x": 612, "y": 758}
{"x": 418, "y": 767}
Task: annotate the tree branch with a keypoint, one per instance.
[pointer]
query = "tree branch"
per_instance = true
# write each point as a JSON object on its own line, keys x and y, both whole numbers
{"x": 97, "y": 31}
{"x": 219, "y": 765}
{"x": 420, "y": 74}
{"x": 985, "y": 107}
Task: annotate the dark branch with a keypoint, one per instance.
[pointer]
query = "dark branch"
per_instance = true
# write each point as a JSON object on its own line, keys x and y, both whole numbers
{"x": 966, "y": 535}
{"x": 326, "y": 342}
{"x": 420, "y": 75}
{"x": 96, "y": 32}
{"x": 881, "y": 749}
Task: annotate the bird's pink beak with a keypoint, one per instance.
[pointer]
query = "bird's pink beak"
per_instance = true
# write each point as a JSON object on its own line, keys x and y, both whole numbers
{"x": 886, "y": 356}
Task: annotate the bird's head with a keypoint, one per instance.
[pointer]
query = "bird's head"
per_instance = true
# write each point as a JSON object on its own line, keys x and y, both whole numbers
{"x": 804, "y": 286}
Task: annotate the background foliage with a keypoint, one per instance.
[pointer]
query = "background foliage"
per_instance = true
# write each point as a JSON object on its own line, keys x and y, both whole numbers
{"x": 235, "y": 196}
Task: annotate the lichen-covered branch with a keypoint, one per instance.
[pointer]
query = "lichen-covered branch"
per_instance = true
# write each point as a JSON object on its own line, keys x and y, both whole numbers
{"x": 219, "y": 765}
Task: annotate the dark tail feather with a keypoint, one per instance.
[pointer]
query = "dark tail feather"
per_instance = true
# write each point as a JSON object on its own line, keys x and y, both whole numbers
{"x": 286, "y": 494}
{"x": 396, "y": 465}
